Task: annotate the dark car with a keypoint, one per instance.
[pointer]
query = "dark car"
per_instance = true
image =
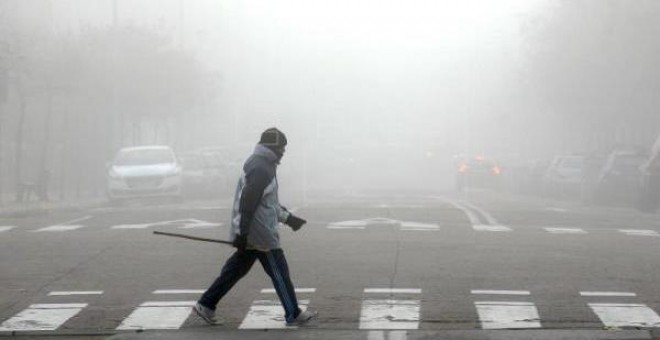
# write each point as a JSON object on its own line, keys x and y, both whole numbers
{"x": 619, "y": 178}
{"x": 477, "y": 172}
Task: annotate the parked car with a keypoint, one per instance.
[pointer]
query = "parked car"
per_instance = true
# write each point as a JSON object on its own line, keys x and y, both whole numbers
{"x": 477, "y": 172}
{"x": 619, "y": 178}
{"x": 144, "y": 171}
{"x": 563, "y": 178}
{"x": 194, "y": 179}
{"x": 649, "y": 190}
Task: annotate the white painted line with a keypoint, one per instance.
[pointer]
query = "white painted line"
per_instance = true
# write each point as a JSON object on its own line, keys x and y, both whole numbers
{"x": 360, "y": 223}
{"x": 132, "y": 226}
{"x": 419, "y": 229}
{"x": 496, "y": 228}
{"x": 42, "y": 317}
{"x": 81, "y": 292}
{"x": 393, "y": 290}
{"x": 6, "y": 228}
{"x": 607, "y": 294}
{"x": 639, "y": 232}
{"x": 84, "y": 218}
{"x": 297, "y": 290}
{"x": 418, "y": 226}
{"x": 268, "y": 314}
{"x": 58, "y": 305}
{"x": 491, "y": 220}
{"x": 345, "y": 227}
{"x": 201, "y": 225}
{"x": 168, "y": 304}
{"x": 56, "y": 228}
{"x": 390, "y": 314}
{"x": 158, "y": 315}
{"x": 507, "y": 315}
{"x": 500, "y": 292}
{"x": 565, "y": 230}
{"x": 179, "y": 291}
{"x": 626, "y": 315}
{"x": 474, "y": 219}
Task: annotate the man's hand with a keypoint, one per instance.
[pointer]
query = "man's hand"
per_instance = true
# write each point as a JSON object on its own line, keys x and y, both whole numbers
{"x": 295, "y": 222}
{"x": 240, "y": 242}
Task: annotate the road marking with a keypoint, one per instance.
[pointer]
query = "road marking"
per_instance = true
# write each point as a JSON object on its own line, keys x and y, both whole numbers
{"x": 491, "y": 220}
{"x": 84, "y": 218}
{"x": 639, "y": 232}
{"x": 500, "y": 292}
{"x": 390, "y": 314}
{"x": 419, "y": 229}
{"x": 507, "y": 315}
{"x": 390, "y": 335}
{"x": 565, "y": 230}
{"x": 81, "y": 292}
{"x": 392, "y": 290}
{"x": 179, "y": 291}
{"x": 496, "y": 228}
{"x": 297, "y": 290}
{"x": 608, "y": 294}
{"x": 56, "y": 228}
{"x": 418, "y": 226}
{"x": 561, "y": 210}
{"x": 42, "y": 317}
{"x": 345, "y": 227}
{"x": 132, "y": 226}
{"x": 268, "y": 314}
{"x": 474, "y": 219}
{"x": 626, "y": 315}
{"x": 158, "y": 315}
{"x": 6, "y": 228}
{"x": 199, "y": 224}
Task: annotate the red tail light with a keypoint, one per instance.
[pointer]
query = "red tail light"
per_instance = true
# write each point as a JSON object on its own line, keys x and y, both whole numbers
{"x": 497, "y": 170}
{"x": 463, "y": 168}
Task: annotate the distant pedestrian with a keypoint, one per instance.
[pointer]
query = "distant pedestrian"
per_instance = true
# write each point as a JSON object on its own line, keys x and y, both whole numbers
{"x": 255, "y": 217}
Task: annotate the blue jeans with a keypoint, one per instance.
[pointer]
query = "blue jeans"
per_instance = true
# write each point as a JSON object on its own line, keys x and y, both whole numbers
{"x": 239, "y": 264}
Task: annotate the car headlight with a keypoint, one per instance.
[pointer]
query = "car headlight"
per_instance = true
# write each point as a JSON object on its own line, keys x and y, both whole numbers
{"x": 114, "y": 175}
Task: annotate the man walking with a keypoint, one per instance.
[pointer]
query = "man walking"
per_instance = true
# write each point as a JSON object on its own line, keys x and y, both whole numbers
{"x": 255, "y": 216}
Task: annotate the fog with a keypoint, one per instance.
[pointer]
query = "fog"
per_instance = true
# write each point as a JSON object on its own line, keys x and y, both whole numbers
{"x": 373, "y": 95}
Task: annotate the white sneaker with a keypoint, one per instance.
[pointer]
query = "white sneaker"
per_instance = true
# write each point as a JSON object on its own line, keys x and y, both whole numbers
{"x": 303, "y": 317}
{"x": 205, "y": 313}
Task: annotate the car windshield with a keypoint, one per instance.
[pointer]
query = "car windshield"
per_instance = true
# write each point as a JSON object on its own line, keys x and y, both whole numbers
{"x": 627, "y": 163}
{"x": 572, "y": 163}
{"x": 144, "y": 157}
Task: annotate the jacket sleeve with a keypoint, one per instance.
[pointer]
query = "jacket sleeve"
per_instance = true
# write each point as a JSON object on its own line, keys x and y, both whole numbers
{"x": 256, "y": 181}
{"x": 282, "y": 214}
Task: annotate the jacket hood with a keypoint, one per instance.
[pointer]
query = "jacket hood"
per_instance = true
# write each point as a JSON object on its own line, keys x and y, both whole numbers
{"x": 267, "y": 153}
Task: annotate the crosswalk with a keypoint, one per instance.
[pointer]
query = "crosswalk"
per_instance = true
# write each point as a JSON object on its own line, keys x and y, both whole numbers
{"x": 380, "y": 309}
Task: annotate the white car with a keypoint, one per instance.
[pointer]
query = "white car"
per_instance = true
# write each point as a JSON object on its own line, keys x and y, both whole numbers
{"x": 144, "y": 171}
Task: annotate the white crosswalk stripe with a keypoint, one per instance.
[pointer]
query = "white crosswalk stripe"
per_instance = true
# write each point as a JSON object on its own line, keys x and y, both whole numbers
{"x": 507, "y": 314}
{"x": 390, "y": 313}
{"x": 626, "y": 315}
{"x": 42, "y": 317}
{"x": 6, "y": 228}
{"x": 158, "y": 315}
{"x": 269, "y": 314}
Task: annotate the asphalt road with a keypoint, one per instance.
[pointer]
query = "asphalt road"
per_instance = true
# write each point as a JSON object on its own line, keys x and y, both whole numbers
{"x": 477, "y": 265}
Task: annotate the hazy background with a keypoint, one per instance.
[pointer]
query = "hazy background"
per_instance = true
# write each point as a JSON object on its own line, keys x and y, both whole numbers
{"x": 372, "y": 94}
